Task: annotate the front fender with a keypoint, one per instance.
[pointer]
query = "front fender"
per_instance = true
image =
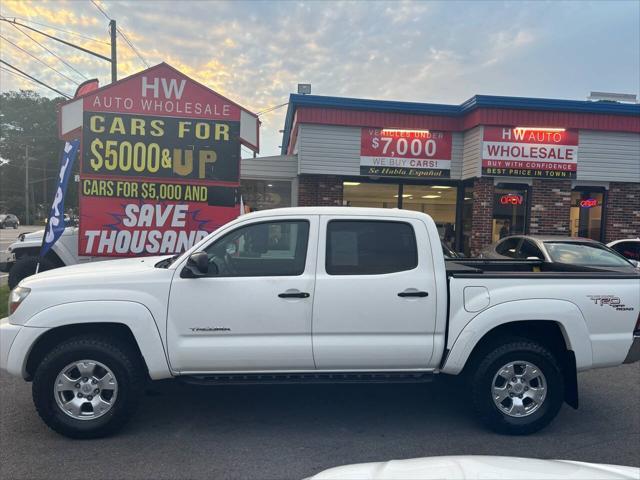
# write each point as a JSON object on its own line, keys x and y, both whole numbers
{"x": 565, "y": 313}
{"x": 134, "y": 315}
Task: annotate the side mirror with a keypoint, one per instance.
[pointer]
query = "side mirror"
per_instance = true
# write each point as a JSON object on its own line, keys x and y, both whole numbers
{"x": 198, "y": 266}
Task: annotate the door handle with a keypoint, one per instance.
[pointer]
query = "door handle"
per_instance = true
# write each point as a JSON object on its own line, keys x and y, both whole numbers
{"x": 413, "y": 294}
{"x": 294, "y": 295}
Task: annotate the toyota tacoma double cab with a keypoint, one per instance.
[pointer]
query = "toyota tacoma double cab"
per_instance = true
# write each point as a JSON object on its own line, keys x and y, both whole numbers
{"x": 317, "y": 294}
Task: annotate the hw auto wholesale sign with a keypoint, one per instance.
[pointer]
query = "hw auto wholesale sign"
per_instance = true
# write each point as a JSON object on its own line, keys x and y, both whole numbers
{"x": 405, "y": 153}
{"x": 160, "y": 164}
{"x": 529, "y": 152}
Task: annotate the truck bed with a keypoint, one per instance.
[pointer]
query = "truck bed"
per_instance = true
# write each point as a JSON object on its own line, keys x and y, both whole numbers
{"x": 497, "y": 268}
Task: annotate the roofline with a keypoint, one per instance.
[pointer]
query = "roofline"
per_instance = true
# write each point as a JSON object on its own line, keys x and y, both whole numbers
{"x": 473, "y": 103}
{"x": 145, "y": 71}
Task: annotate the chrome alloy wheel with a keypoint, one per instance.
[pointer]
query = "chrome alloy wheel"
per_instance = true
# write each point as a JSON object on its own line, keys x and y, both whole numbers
{"x": 85, "y": 390}
{"x": 519, "y": 389}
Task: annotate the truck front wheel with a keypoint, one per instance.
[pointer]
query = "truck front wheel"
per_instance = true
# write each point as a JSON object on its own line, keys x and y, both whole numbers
{"x": 518, "y": 387}
{"x": 88, "y": 386}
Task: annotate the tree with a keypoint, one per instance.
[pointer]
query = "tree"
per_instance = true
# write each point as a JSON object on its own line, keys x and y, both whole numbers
{"x": 27, "y": 119}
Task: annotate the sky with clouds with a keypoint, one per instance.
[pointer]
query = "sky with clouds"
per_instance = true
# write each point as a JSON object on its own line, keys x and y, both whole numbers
{"x": 256, "y": 52}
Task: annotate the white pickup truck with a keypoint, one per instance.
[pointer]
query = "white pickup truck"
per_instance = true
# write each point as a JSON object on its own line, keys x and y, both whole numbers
{"x": 317, "y": 295}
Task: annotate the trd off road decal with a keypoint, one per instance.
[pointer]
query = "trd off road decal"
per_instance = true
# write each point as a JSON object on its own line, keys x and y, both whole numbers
{"x": 611, "y": 301}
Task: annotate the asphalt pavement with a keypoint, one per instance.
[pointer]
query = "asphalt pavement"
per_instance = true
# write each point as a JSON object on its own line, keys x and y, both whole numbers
{"x": 9, "y": 235}
{"x": 278, "y": 432}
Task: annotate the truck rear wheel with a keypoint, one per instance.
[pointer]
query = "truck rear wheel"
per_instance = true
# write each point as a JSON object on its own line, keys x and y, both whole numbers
{"x": 88, "y": 387}
{"x": 518, "y": 387}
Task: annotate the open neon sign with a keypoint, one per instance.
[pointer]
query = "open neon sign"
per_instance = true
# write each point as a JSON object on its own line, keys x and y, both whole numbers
{"x": 589, "y": 202}
{"x": 511, "y": 199}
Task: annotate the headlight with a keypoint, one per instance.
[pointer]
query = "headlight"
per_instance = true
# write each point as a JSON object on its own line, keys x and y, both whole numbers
{"x": 16, "y": 297}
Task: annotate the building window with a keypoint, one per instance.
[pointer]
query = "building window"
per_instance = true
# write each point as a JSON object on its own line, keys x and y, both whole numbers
{"x": 586, "y": 213}
{"x": 510, "y": 206}
{"x": 265, "y": 194}
{"x": 438, "y": 201}
{"x": 377, "y": 195}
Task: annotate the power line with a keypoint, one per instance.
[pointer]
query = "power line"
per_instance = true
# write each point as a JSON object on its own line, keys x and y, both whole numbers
{"x": 124, "y": 37}
{"x": 35, "y": 79}
{"x": 52, "y": 53}
{"x": 86, "y": 37}
{"x": 39, "y": 60}
{"x": 101, "y": 10}
{"x": 13, "y": 73}
{"x": 21, "y": 166}
{"x": 271, "y": 109}
{"x": 135, "y": 50}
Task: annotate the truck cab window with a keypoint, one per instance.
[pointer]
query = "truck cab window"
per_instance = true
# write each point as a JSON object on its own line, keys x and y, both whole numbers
{"x": 261, "y": 249}
{"x": 370, "y": 248}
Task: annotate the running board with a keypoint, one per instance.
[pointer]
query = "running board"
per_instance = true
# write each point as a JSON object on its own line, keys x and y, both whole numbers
{"x": 288, "y": 378}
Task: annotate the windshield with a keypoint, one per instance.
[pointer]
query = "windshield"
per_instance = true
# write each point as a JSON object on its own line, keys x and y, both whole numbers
{"x": 590, "y": 254}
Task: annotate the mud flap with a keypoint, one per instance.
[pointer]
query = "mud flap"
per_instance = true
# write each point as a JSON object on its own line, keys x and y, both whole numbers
{"x": 571, "y": 380}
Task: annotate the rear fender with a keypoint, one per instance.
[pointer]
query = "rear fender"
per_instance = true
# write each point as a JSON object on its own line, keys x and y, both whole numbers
{"x": 134, "y": 315}
{"x": 564, "y": 313}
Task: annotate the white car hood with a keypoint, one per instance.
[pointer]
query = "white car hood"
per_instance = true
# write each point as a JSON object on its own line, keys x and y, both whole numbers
{"x": 94, "y": 271}
{"x": 477, "y": 467}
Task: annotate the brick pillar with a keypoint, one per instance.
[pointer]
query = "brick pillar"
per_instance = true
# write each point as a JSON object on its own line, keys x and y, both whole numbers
{"x": 319, "y": 190}
{"x": 481, "y": 222}
{"x": 550, "y": 207}
{"x": 622, "y": 211}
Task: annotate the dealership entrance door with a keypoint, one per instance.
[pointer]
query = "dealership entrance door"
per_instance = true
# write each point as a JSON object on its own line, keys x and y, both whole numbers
{"x": 586, "y": 213}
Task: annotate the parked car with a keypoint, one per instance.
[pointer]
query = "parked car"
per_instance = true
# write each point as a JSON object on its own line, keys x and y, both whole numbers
{"x": 558, "y": 249}
{"x": 628, "y": 248}
{"x": 464, "y": 467}
{"x": 385, "y": 307}
{"x": 9, "y": 220}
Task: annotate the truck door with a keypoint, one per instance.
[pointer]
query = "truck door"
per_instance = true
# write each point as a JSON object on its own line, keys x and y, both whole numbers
{"x": 254, "y": 314}
{"x": 375, "y": 297}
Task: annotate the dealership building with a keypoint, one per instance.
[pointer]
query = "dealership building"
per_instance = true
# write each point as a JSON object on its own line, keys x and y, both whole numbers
{"x": 489, "y": 167}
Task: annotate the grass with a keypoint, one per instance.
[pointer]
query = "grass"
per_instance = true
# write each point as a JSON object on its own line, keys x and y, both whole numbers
{"x": 4, "y": 298}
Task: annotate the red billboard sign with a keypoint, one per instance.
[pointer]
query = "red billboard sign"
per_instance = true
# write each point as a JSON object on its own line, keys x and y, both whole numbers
{"x": 405, "y": 153}
{"x": 160, "y": 164}
{"x": 529, "y": 152}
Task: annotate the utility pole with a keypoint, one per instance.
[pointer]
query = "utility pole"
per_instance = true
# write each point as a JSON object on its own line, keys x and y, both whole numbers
{"x": 26, "y": 184}
{"x": 44, "y": 182}
{"x": 114, "y": 58}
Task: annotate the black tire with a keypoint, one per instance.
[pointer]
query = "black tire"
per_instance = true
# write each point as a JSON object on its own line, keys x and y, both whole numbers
{"x": 120, "y": 358}
{"x": 25, "y": 266}
{"x": 482, "y": 378}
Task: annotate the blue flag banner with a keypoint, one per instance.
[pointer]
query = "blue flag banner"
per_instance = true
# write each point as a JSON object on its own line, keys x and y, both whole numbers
{"x": 55, "y": 223}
